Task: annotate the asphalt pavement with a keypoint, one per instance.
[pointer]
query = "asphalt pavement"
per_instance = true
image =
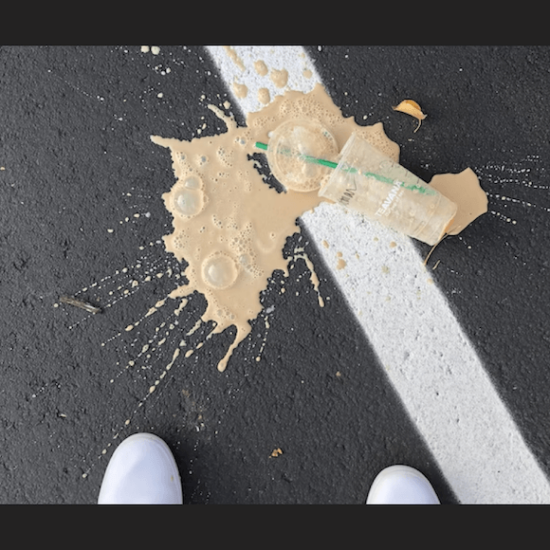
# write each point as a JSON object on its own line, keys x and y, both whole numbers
{"x": 328, "y": 405}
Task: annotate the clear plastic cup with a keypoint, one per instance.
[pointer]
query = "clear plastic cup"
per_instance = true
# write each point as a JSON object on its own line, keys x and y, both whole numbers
{"x": 292, "y": 145}
{"x": 368, "y": 181}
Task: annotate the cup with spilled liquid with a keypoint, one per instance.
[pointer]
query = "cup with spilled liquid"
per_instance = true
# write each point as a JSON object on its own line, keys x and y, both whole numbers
{"x": 363, "y": 179}
{"x": 368, "y": 181}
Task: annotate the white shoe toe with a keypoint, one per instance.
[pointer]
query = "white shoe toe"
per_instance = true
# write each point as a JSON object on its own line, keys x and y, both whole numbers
{"x": 401, "y": 485}
{"x": 142, "y": 470}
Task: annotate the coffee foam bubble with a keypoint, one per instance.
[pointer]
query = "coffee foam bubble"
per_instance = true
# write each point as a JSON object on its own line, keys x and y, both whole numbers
{"x": 220, "y": 271}
{"x": 187, "y": 202}
{"x": 193, "y": 182}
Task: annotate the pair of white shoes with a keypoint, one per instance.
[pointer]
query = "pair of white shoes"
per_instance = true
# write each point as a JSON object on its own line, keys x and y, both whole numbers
{"x": 143, "y": 470}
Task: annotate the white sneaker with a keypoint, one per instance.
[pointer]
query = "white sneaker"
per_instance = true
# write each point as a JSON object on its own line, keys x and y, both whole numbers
{"x": 401, "y": 485}
{"x": 142, "y": 470}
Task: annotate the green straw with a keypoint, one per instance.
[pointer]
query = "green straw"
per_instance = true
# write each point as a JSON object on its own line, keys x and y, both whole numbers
{"x": 307, "y": 158}
{"x": 330, "y": 164}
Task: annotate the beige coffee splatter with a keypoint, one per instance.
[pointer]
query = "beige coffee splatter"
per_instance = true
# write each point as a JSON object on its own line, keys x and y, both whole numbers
{"x": 231, "y": 227}
{"x": 260, "y": 67}
{"x": 264, "y": 96}
{"x": 464, "y": 190}
{"x": 234, "y": 57}
{"x": 341, "y": 264}
{"x": 240, "y": 90}
{"x": 279, "y": 77}
{"x": 228, "y": 224}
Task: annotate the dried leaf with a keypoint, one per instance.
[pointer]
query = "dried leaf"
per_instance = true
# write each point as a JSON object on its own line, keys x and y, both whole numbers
{"x": 410, "y": 107}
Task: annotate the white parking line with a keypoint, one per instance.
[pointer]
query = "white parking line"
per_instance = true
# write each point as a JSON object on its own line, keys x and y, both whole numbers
{"x": 424, "y": 350}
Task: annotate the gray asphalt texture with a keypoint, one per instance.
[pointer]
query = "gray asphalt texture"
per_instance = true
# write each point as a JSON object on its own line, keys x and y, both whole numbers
{"x": 75, "y": 140}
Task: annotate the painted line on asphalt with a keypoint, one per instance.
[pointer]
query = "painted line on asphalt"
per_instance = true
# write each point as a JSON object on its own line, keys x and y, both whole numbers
{"x": 416, "y": 337}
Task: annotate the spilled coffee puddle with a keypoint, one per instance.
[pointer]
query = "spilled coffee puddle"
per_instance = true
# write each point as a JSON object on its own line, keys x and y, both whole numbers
{"x": 231, "y": 227}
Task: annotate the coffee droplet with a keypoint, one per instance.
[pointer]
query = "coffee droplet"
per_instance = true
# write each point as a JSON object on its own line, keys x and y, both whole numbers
{"x": 219, "y": 271}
